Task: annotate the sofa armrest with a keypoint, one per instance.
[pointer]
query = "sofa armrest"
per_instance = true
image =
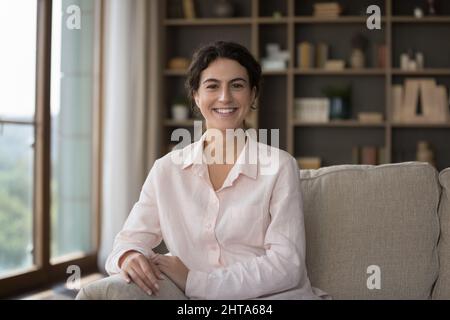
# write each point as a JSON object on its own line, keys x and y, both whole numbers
{"x": 115, "y": 288}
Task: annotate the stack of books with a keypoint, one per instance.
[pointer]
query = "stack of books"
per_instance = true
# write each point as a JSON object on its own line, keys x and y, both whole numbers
{"x": 312, "y": 109}
{"x": 327, "y": 10}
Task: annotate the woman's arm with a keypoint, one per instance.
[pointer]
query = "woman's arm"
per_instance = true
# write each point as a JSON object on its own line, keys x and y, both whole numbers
{"x": 141, "y": 231}
{"x": 281, "y": 268}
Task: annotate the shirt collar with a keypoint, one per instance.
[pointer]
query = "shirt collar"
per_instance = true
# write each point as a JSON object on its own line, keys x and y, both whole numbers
{"x": 247, "y": 162}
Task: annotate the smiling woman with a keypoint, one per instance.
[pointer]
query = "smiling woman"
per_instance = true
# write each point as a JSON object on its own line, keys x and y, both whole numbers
{"x": 233, "y": 230}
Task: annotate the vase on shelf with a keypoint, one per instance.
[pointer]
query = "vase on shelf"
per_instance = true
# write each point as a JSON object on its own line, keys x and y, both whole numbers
{"x": 180, "y": 112}
{"x": 431, "y": 8}
{"x": 339, "y": 108}
{"x": 357, "y": 59}
{"x": 425, "y": 153}
{"x": 223, "y": 9}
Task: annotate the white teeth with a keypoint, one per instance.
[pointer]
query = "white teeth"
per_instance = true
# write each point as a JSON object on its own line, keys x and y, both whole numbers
{"x": 225, "y": 110}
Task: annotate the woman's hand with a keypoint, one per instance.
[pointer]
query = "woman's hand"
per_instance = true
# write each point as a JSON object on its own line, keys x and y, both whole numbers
{"x": 174, "y": 268}
{"x": 142, "y": 271}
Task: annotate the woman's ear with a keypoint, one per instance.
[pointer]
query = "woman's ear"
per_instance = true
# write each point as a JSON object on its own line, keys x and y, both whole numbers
{"x": 253, "y": 95}
{"x": 196, "y": 98}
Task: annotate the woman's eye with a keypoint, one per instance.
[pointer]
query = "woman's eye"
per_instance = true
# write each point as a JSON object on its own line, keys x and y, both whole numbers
{"x": 237, "y": 85}
{"x": 213, "y": 86}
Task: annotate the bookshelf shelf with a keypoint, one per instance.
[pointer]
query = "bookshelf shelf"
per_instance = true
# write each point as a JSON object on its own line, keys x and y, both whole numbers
{"x": 411, "y": 19}
{"x": 271, "y": 20}
{"x": 420, "y": 125}
{"x": 339, "y": 124}
{"x": 424, "y": 72}
{"x": 345, "y": 72}
{"x": 256, "y": 25}
{"x": 342, "y": 19}
{"x": 207, "y": 21}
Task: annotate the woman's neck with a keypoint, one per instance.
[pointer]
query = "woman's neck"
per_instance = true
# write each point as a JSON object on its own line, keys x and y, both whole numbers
{"x": 224, "y": 146}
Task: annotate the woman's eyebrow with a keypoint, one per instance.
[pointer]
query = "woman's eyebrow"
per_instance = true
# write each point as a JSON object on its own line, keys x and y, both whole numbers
{"x": 232, "y": 80}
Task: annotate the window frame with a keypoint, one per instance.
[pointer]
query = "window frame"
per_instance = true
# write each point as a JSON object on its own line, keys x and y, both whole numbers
{"x": 44, "y": 273}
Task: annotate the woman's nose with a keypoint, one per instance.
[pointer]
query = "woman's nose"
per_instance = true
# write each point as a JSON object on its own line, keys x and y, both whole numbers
{"x": 225, "y": 95}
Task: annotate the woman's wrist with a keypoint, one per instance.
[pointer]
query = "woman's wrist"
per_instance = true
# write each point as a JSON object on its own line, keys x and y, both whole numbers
{"x": 124, "y": 256}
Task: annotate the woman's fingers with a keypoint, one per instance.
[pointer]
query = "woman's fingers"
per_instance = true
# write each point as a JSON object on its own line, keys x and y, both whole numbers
{"x": 161, "y": 260}
{"x": 140, "y": 283}
{"x": 147, "y": 275}
{"x": 125, "y": 276}
{"x": 157, "y": 271}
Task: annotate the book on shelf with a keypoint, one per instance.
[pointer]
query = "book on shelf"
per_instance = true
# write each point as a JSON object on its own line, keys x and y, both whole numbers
{"x": 370, "y": 117}
{"x": 355, "y": 155}
{"x": 335, "y": 65}
{"x": 189, "y": 9}
{"x": 382, "y": 158}
{"x": 369, "y": 155}
{"x": 312, "y": 109}
{"x": 327, "y": 10}
{"x": 305, "y": 53}
{"x": 381, "y": 56}
{"x": 322, "y": 51}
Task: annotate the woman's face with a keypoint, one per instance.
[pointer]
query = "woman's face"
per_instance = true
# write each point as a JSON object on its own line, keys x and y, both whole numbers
{"x": 224, "y": 95}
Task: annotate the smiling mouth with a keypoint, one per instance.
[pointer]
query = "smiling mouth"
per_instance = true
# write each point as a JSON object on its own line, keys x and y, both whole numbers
{"x": 225, "y": 111}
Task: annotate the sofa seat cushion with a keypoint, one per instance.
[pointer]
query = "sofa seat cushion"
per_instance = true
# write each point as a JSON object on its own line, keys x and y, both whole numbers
{"x": 372, "y": 231}
{"x": 442, "y": 288}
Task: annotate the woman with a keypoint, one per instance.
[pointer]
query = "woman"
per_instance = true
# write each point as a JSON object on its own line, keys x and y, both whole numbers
{"x": 234, "y": 228}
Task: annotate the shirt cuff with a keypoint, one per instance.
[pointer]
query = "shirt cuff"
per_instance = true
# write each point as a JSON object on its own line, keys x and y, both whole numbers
{"x": 112, "y": 265}
{"x": 196, "y": 284}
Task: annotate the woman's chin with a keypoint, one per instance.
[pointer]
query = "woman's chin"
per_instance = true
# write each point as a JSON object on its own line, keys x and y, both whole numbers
{"x": 225, "y": 124}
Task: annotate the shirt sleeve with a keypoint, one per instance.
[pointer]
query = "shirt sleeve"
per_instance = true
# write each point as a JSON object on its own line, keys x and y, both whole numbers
{"x": 281, "y": 268}
{"x": 141, "y": 231}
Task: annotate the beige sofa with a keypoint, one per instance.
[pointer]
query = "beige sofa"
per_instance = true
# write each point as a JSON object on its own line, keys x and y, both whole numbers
{"x": 373, "y": 232}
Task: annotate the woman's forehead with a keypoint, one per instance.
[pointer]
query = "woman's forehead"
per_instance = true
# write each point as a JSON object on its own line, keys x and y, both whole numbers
{"x": 224, "y": 70}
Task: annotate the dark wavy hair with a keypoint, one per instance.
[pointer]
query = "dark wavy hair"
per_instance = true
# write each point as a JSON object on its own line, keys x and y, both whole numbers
{"x": 208, "y": 53}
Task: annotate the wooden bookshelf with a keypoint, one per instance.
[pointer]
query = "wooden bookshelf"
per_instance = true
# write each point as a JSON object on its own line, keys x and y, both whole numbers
{"x": 254, "y": 26}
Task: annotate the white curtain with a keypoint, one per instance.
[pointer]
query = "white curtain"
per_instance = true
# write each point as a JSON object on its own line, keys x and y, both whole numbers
{"x": 125, "y": 146}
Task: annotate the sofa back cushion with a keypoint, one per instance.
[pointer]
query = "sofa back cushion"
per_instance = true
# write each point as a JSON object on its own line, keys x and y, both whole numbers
{"x": 442, "y": 288}
{"x": 372, "y": 231}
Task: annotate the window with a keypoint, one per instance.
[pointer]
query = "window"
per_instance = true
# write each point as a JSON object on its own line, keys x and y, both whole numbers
{"x": 49, "y": 137}
{"x": 71, "y": 136}
{"x": 17, "y": 106}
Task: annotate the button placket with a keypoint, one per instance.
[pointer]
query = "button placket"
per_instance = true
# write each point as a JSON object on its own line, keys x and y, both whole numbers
{"x": 213, "y": 212}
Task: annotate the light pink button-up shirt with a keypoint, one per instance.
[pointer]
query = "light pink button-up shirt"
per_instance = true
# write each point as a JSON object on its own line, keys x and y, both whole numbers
{"x": 245, "y": 240}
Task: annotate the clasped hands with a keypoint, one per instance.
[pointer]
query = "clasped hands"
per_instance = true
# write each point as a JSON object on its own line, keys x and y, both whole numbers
{"x": 146, "y": 272}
